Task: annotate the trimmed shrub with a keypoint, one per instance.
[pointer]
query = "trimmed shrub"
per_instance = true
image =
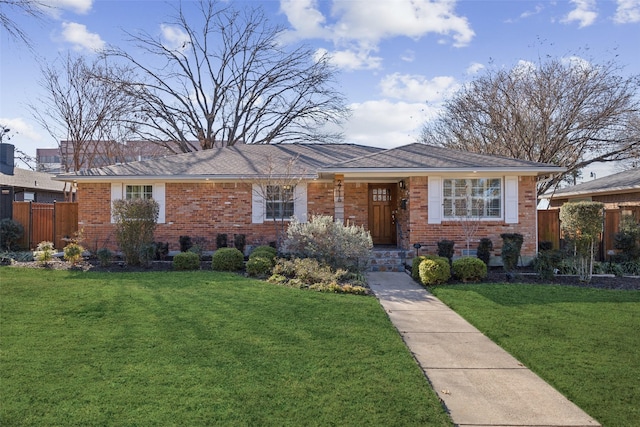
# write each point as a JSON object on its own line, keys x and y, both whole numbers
{"x": 627, "y": 240}
{"x": 221, "y": 240}
{"x": 434, "y": 270}
{"x": 546, "y": 263}
{"x": 162, "y": 250}
{"x": 239, "y": 241}
{"x": 44, "y": 252}
{"x": 469, "y": 269}
{"x": 185, "y": 243}
{"x": 259, "y": 266}
{"x": 73, "y": 253}
{"x": 264, "y": 252}
{"x": 10, "y": 232}
{"x": 446, "y": 250}
{"x": 104, "y": 256}
{"x": 227, "y": 259}
{"x": 415, "y": 267}
{"x": 485, "y": 246}
{"x": 333, "y": 243}
{"x": 186, "y": 261}
{"x": 136, "y": 220}
{"x": 511, "y": 246}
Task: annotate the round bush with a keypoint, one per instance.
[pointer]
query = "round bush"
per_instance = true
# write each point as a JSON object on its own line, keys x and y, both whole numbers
{"x": 434, "y": 270}
{"x": 469, "y": 269}
{"x": 265, "y": 252}
{"x": 186, "y": 261}
{"x": 259, "y": 266}
{"x": 73, "y": 252}
{"x": 10, "y": 232}
{"x": 227, "y": 259}
{"x": 415, "y": 267}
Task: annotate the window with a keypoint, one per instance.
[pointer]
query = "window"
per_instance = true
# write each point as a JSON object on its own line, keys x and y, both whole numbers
{"x": 472, "y": 197}
{"x": 279, "y": 203}
{"x": 146, "y": 190}
{"x": 139, "y": 192}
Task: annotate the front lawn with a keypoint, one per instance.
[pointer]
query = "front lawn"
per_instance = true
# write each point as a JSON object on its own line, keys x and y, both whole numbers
{"x": 199, "y": 348}
{"x": 585, "y": 342}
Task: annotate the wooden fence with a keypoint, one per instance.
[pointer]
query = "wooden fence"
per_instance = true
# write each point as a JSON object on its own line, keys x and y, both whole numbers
{"x": 51, "y": 222}
{"x": 549, "y": 228}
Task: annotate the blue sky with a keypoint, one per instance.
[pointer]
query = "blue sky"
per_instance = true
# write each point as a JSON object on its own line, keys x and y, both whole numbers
{"x": 398, "y": 59}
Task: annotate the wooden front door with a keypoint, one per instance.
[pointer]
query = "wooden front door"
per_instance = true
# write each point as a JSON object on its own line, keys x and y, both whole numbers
{"x": 381, "y": 214}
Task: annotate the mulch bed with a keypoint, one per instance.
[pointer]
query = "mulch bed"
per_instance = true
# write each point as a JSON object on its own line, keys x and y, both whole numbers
{"x": 496, "y": 275}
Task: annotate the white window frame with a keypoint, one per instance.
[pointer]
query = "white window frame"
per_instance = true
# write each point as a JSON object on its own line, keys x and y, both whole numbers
{"x": 509, "y": 199}
{"x": 283, "y": 203}
{"x": 471, "y": 195}
{"x": 259, "y": 204}
{"x": 119, "y": 191}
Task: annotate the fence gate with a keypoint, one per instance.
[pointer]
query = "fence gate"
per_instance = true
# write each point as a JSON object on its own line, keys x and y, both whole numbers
{"x": 46, "y": 222}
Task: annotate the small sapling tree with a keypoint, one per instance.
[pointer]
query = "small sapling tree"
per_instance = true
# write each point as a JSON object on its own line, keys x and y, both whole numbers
{"x": 581, "y": 223}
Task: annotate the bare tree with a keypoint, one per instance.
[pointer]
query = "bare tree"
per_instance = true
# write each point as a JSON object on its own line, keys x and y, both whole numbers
{"x": 568, "y": 113}
{"x": 83, "y": 114}
{"x": 31, "y": 8}
{"x": 229, "y": 80}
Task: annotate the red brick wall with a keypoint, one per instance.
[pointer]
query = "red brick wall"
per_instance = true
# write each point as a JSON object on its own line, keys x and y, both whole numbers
{"x": 204, "y": 210}
{"x": 356, "y": 206}
{"x": 430, "y": 234}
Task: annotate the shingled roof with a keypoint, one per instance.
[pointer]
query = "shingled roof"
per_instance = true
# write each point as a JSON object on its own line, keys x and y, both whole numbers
{"x": 423, "y": 157}
{"x": 622, "y": 182}
{"x": 311, "y": 161}
{"x": 239, "y": 161}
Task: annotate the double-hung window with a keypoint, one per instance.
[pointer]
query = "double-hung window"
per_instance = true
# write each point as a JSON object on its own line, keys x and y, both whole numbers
{"x": 472, "y": 197}
{"x": 139, "y": 192}
{"x": 279, "y": 201}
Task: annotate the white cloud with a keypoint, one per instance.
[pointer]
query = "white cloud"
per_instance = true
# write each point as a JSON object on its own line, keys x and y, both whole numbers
{"x": 357, "y": 28}
{"x": 408, "y": 56}
{"x": 418, "y": 88}
{"x": 19, "y": 129}
{"x": 386, "y": 124}
{"x": 76, "y": 6}
{"x": 351, "y": 60}
{"x": 628, "y": 12}
{"x": 474, "y": 68}
{"x": 584, "y": 13}
{"x": 577, "y": 63}
{"x": 305, "y": 17}
{"x": 174, "y": 37}
{"x": 80, "y": 37}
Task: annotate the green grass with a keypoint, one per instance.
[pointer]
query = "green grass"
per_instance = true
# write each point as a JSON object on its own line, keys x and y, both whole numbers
{"x": 585, "y": 342}
{"x": 199, "y": 348}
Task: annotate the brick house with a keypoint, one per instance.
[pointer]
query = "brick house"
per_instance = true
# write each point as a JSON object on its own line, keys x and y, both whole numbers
{"x": 615, "y": 191}
{"x": 404, "y": 196}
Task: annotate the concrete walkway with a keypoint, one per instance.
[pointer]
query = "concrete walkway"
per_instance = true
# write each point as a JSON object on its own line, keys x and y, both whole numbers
{"x": 479, "y": 383}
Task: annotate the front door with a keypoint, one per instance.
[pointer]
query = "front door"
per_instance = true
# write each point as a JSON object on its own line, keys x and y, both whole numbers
{"x": 381, "y": 214}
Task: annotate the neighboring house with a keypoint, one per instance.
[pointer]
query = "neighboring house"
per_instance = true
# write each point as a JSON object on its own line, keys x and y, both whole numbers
{"x": 414, "y": 194}
{"x": 21, "y": 185}
{"x": 615, "y": 191}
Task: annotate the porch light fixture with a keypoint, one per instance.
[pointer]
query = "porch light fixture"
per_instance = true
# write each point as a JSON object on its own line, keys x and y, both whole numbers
{"x": 402, "y": 184}
{"x": 339, "y": 191}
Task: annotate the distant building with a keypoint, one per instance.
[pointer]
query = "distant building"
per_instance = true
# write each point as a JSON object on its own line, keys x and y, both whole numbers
{"x": 95, "y": 155}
